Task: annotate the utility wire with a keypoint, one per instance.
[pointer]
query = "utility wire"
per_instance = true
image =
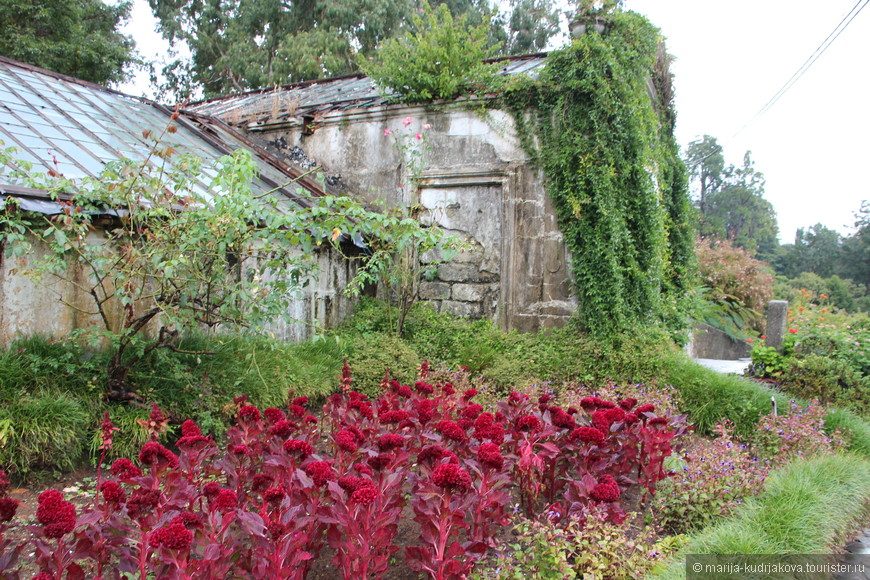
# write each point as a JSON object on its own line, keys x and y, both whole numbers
{"x": 819, "y": 51}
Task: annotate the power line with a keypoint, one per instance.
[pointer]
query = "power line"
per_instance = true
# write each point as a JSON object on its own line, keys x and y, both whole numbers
{"x": 819, "y": 51}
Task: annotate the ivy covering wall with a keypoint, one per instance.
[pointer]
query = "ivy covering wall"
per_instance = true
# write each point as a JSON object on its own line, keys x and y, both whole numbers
{"x": 599, "y": 121}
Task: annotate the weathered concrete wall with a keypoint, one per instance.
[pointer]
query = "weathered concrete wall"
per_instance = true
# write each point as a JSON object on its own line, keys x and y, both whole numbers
{"x": 709, "y": 342}
{"x": 54, "y": 308}
{"x": 475, "y": 183}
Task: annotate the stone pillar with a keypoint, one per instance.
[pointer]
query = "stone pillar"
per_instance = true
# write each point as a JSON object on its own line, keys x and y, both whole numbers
{"x": 777, "y": 320}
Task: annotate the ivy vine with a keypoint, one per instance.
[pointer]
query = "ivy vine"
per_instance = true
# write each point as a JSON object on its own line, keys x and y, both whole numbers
{"x": 599, "y": 122}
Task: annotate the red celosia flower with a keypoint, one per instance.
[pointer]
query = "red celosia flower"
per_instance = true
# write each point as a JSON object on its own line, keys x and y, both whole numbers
{"x": 158, "y": 456}
{"x": 249, "y": 413}
{"x": 390, "y": 441}
{"x": 4, "y": 482}
{"x": 450, "y": 430}
{"x": 601, "y": 421}
{"x": 8, "y": 507}
{"x": 499, "y": 417}
{"x": 393, "y": 416}
{"x": 380, "y": 461}
{"x": 190, "y": 429}
{"x": 588, "y": 435}
{"x": 630, "y": 418}
{"x": 658, "y": 421}
{"x": 142, "y": 502}
{"x": 563, "y": 420}
{"x": 431, "y": 452}
{"x": 189, "y": 520}
{"x": 296, "y": 410}
{"x": 173, "y": 537}
{"x": 226, "y": 500}
{"x": 494, "y": 433}
{"x": 211, "y": 489}
{"x": 241, "y": 450}
{"x": 320, "y": 472}
{"x": 515, "y": 398}
{"x": 364, "y": 495}
{"x": 469, "y": 394}
{"x": 57, "y": 516}
{"x": 472, "y": 411}
{"x": 112, "y": 492}
{"x": 528, "y": 423}
{"x": 614, "y": 415}
{"x": 589, "y": 403}
{"x": 448, "y": 389}
{"x": 276, "y": 529}
{"x": 424, "y": 388}
{"x": 355, "y": 396}
{"x": 425, "y": 410}
{"x": 283, "y": 428}
{"x": 346, "y": 441}
{"x": 628, "y": 404}
{"x": 364, "y": 408}
{"x": 310, "y": 419}
{"x": 356, "y": 433}
{"x": 572, "y": 410}
{"x": 107, "y": 428}
{"x": 261, "y": 482}
{"x": 451, "y": 476}
{"x": 363, "y": 469}
{"x": 194, "y": 442}
{"x": 648, "y": 408}
{"x": 274, "y": 494}
{"x": 606, "y": 405}
{"x": 544, "y": 399}
{"x": 351, "y": 483}
{"x": 301, "y": 448}
{"x": 606, "y": 489}
{"x": 273, "y": 415}
{"x": 490, "y": 455}
{"x": 404, "y": 391}
{"x": 465, "y": 424}
{"x": 301, "y": 401}
{"x": 484, "y": 420}
{"x": 123, "y": 468}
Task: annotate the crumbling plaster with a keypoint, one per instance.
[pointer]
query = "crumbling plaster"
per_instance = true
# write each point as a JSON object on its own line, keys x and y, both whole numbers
{"x": 476, "y": 183}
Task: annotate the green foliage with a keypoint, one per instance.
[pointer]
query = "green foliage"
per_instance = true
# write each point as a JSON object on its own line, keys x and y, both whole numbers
{"x": 807, "y": 507}
{"x": 768, "y": 362}
{"x": 371, "y": 356}
{"x": 830, "y": 381}
{"x": 590, "y": 124}
{"x": 79, "y": 38}
{"x": 794, "y": 433}
{"x": 439, "y": 58}
{"x": 45, "y": 430}
{"x": 707, "y": 484}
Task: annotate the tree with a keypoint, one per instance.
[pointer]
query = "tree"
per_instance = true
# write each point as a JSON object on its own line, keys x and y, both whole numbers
{"x": 706, "y": 166}
{"x": 243, "y": 44}
{"x": 816, "y": 249}
{"x": 179, "y": 258}
{"x": 439, "y": 58}
{"x": 78, "y": 38}
{"x": 856, "y": 248}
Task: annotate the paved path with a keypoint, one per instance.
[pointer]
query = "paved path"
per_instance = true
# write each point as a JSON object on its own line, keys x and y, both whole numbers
{"x": 734, "y": 367}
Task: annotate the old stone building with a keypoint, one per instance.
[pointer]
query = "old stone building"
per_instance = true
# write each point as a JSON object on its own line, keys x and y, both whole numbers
{"x": 470, "y": 176}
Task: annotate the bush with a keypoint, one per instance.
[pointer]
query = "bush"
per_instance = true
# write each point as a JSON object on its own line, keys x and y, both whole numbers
{"x": 708, "y": 484}
{"x": 795, "y": 433}
{"x": 440, "y": 58}
{"x": 830, "y": 381}
{"x": 46, "y": 430}
{"x": 371, "y": 356}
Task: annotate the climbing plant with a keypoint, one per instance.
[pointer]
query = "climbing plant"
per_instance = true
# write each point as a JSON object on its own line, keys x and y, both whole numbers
{"x": 599, "y": 121}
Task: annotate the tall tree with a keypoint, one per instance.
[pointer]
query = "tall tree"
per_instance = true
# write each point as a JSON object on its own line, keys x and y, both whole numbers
{"x": 79, "y": 38}
{"x": 856, "y": 248}
{"x": 242, "y": 44}
{"x": 816, "y": 249}
{"x": 706, "y": 166}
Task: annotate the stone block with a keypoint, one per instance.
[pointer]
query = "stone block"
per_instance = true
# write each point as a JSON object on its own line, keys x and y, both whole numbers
{"x": 777, "y": 321}
{"x": 462, "y": 309}
{"x": 451, "y": 272}
{"x": 468, "y": 292}
{"x": 434, "y": 290}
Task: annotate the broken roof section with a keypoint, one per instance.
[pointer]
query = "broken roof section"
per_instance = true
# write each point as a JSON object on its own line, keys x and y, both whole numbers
{"x": 314, "y": 98}
{"x": 75, "y": 127}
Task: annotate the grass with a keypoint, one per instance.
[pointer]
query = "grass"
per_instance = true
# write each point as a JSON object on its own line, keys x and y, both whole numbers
{"x": 806, "y": 508}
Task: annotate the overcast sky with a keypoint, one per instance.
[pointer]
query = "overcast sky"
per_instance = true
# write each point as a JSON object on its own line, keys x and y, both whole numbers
{"x": 732, "y": 56}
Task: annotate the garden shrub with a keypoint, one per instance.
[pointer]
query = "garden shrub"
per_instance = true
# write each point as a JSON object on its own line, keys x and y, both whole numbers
{"x": 796, "y": 432}
{"x": 44, "y": 430}
{"x": 371, "y": 357}
{"x": 831, "y": 381}
{"x": 708, "y": 483}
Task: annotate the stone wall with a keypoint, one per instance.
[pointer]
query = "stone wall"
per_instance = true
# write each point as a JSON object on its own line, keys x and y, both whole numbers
{"x": 475, "y": 183}
{"x": 54, "y": 308}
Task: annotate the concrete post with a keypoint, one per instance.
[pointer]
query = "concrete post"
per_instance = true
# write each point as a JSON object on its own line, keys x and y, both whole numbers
{"x": 777, "y": 320}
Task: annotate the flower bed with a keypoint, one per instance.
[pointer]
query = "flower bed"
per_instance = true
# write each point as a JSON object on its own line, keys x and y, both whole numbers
{"x": 288, "y": 484}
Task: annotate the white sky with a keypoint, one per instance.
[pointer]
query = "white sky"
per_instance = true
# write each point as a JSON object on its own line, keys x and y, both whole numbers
{"x": 732, "y": 56}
